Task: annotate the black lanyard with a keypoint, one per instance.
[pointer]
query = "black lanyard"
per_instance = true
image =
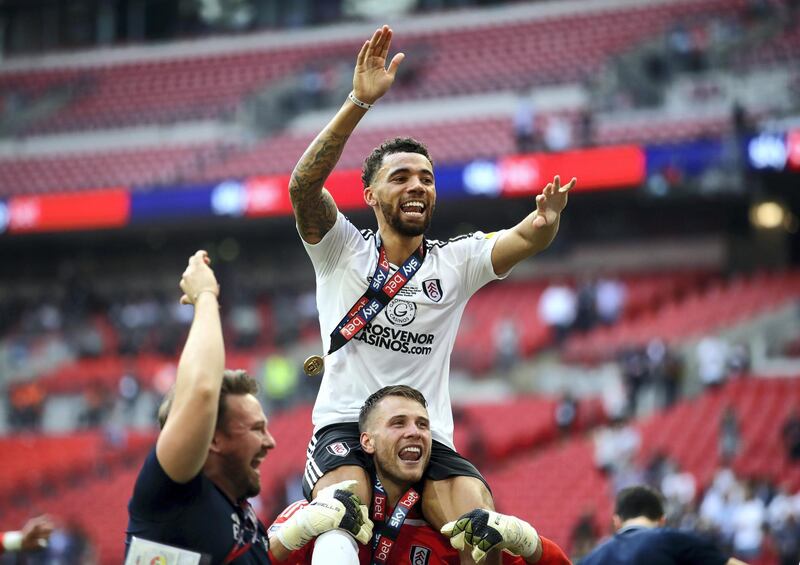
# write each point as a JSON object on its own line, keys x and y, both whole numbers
{"x": 378, "y": 294}
{"x": 387, "y": 527}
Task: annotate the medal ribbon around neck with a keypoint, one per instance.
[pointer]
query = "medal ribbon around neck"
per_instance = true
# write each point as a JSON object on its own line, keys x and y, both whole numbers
{"x": 387, "y": 527}
{"x": 381, "y": 290}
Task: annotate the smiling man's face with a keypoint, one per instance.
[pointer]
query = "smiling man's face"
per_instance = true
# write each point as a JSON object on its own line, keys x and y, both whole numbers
{"x": 398, "y": 436}
{"x": 404, "y": 193}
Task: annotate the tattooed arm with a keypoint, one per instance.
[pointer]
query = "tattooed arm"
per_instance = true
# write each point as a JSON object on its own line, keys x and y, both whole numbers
{"x": 314, "y": 208}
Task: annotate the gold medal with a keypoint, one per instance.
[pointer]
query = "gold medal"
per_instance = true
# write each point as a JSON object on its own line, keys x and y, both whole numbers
{"x": 313, "y": 365}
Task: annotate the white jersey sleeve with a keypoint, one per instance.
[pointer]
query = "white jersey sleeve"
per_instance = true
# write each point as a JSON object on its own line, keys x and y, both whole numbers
{"x": 473, "y": 255}
{"x": 326, "y": 254}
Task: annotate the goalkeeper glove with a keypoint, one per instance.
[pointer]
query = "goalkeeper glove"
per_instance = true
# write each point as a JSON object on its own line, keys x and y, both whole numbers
{"x": 485, "y": 530}
{"x": 334, "y": 507}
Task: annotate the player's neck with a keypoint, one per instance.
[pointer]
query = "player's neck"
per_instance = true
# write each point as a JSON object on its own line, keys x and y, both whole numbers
{"x": 394, "y": 490}
{"x": 641, "y": 521}
{"x": 399, "y": 247}
{"x": 219, "y": 480}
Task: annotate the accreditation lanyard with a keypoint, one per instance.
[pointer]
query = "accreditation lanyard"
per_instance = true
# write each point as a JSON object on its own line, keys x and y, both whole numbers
{"x": 387, "y": 530}
{"x": 379, "y": 293}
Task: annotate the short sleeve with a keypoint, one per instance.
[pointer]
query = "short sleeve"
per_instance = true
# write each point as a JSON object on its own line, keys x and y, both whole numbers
{"x": 476, "y": 254}
{"x": 156, "y": 496}
{"x": 326, "y": 253}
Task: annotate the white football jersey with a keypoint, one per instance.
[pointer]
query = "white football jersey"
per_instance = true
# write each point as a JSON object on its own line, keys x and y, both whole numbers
{"x": 409, "y": 342}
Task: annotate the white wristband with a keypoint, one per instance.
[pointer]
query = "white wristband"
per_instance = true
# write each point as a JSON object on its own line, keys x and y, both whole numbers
{"x": 12, "y": 541}
{"x": 357, "y": 102}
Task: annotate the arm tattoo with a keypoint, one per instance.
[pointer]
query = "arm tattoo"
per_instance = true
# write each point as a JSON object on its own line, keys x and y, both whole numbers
{"x": 314, "y": 207}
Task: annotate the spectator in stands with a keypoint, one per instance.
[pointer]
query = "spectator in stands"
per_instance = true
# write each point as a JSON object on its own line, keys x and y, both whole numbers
{"x": 557, "y": 134}
{"x": 27, "y": 402}
{"x": 616, "y": 446}
{"x": 192, "y": 490}
{"x": 246, "y": 324}
{"x": 748, "y": 520}
{"x": 610, "y": 299}
{"x": 128, "y": 389}
{"x": 586, "y": 310}
{"x": 566, "y": 412}
{"x": 586, "y": 125}
{"x": 729, "y": 435}
{"x": 718, "y": 505}
{"x": 584, "y": 536}
{"x": 70, "y": 545}
{"x": 738, "y": 360}
{"x": 280, "y": 381}
{"x": 98, "y": 402}
{"x": 791, "y": 435}
{"x": 672, "y": 375}
{"x": 786, "y": 538}
{"x": 32, "y": 537}
{"x": 558, "y": 308}
{"x": 635, "y": 373}
{"x": 525, "y": 124}
{"x": 679, "y": 489}
{"x": 712, "y": 359}
{"x": 642, "y": 538}
{"x": 506, "y": 344}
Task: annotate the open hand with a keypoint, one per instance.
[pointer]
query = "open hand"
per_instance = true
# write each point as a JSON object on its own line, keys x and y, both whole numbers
{"x": 371, "y": 78}
{"x": 551, "y": 202}
{"x": 36, "y": 532}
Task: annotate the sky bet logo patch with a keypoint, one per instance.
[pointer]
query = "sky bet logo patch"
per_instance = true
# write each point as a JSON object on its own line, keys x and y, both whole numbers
{"x": 420, "y": 555}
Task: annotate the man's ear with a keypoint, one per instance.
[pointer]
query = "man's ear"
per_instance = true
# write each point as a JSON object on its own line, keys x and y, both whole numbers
{"x": 366, "y": 443}
{"x": 369, "y": 197}
{"x": 216, "y": 446}
{"x": 617, "y": 521}
{"x": 662, "y": 521}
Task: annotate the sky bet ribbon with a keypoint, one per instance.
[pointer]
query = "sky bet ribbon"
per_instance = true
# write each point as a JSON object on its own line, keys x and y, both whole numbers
{"x": 379, "y": 293}
{"x": 387, "y": 528}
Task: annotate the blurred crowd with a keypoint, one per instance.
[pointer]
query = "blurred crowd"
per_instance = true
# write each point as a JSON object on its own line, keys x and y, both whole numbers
{"x": 753, "y": 518}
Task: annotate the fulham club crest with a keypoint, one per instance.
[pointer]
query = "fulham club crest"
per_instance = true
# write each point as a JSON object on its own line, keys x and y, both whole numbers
{"x": 432, "y": 289}
{"x": 420, "y": 555}
{"x": 339, "y": 449}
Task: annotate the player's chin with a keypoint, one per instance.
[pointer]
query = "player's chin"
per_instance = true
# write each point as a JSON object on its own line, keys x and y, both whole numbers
{"x": 253, "y": 487}
{"x": 413, "y": 471}
{"x": 415, "y": 226}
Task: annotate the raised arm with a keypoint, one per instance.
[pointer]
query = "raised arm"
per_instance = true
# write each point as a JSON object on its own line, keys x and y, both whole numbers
{"x": 182, "y": 446}
{"x": 314, "y": 208}
{"x": 536, "y": 231}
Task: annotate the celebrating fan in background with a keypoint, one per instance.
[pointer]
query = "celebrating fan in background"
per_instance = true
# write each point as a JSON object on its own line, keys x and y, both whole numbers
{"x": 33, "y": 535}
{"x": 641, "y": 538}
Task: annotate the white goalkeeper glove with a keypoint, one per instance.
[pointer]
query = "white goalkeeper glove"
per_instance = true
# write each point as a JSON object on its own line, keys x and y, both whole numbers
{"x": 485, "y": 530}
{"x": 336, "y": 506}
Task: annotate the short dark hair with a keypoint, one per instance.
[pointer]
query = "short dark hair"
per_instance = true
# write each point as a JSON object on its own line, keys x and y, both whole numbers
{"x": 388, "y": 147}
{"x": 234, "y": 381}
{"x": 392, "y": 390}
{"x": 638, "y": 501}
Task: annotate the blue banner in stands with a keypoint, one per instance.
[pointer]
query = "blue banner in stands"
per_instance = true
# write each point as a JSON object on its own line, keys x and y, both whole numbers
{"x": 172, "y": 203}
